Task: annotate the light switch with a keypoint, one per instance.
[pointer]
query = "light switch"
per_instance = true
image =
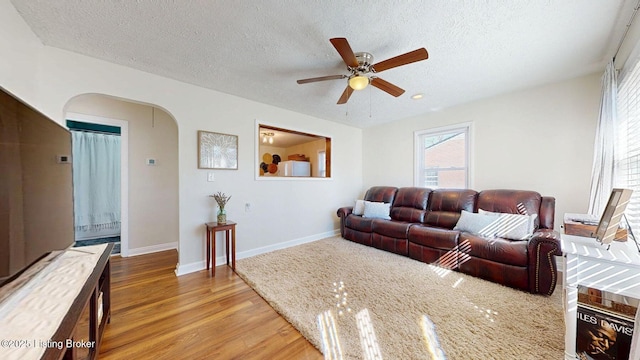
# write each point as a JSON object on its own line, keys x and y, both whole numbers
{"x": 211, "y": 176}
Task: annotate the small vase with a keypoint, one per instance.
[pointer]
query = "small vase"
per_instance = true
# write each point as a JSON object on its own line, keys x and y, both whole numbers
{"x": 222, "y": 216}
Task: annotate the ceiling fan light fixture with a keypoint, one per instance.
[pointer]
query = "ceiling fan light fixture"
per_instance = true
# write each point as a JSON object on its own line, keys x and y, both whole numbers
{"x": 361, "y": 63}
{"x": 358, "y": 82}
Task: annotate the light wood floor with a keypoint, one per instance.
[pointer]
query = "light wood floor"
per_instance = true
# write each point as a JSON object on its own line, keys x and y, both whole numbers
{"x": 156, "y": 315}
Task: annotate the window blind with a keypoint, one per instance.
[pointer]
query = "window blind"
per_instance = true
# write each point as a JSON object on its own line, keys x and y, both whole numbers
{"x": 627, "y": 152}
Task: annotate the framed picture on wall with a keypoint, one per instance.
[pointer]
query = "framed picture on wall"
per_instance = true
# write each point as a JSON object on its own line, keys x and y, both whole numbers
{"x": 217, "y": 151}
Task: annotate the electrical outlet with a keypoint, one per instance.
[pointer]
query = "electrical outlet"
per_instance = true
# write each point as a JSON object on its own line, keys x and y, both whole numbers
{"x": 247, "y": 207}
{"x": 211, "y": 176}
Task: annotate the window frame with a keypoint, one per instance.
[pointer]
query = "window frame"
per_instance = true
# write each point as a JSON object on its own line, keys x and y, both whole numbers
{"x": 419, "y": 170}
{"x": 257, "y": 159}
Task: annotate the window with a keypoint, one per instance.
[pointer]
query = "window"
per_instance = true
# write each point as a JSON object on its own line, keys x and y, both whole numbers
{"x": 322, "y": 163}
{"x": 627, "y": 152}
{"x": 442, "y": 157}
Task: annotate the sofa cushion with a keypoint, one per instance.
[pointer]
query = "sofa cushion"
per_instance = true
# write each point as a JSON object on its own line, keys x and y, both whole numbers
{"x": 360, "y": 237}
{"x": 358, "y": 223}
{"x": 445, "y": 206}
{"x": 434, "y": 246}
{"x": 497, "y": 249}
{"x": 358, "y": 208}
{"x": 410, "y": 204}
{"x": 509, "y": 226}
{"x": 381, "y": 194}
{"x": 376, "y": 210}
{"x": 434, "y": 237}
{"x": 391, "y": 228}
{"x": 477, "y": 224}
{"x": 510, "y": 202}
{"x": 391, "y": 244}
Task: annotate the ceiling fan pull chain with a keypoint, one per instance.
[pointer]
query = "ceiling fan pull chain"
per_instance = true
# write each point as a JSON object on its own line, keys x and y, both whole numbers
{"x": 347, "y": 114}
{"x": 369, "y": 102}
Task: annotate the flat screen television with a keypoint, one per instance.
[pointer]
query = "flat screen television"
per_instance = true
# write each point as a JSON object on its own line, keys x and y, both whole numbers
{"x": 36, "y": 193}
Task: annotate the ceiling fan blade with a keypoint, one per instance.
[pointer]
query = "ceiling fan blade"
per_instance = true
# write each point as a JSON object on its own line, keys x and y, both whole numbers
{"x": 404, "y": 59}
{"x": 345, "y": 95}
{"x": 342, "y": 45}
{"x": 321, "y": 78}
{"x": 386, "y": 87}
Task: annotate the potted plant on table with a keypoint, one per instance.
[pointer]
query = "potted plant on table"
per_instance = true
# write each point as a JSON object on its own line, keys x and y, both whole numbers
{"x": 222, "y": 200}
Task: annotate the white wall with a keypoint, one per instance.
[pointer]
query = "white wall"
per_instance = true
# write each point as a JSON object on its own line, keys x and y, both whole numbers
{"x": 153, "y": 190}
{"x": 281, "y": 210}
{"x": 537, "y": 139}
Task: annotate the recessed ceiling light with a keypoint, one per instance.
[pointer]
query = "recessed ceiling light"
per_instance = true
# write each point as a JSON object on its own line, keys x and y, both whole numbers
{"x": 417, "y": 96}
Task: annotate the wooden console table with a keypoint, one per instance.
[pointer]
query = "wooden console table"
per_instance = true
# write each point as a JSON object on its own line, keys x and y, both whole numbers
{"x": 212, "y": 228}
{"x": 588, "y": 263}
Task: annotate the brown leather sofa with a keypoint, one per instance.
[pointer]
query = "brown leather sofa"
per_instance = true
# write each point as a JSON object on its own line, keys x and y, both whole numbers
{"x": 422, "y": 228}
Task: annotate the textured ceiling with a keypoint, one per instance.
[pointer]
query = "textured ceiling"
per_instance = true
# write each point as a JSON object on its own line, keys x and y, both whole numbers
{"x": 258, "y": 49}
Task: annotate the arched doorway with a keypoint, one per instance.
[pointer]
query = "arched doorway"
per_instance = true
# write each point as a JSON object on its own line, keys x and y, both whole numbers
{"x": 149, "y": 169}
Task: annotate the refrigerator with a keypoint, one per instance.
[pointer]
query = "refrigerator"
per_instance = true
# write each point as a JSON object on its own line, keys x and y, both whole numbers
{"x": 294, "y": 168}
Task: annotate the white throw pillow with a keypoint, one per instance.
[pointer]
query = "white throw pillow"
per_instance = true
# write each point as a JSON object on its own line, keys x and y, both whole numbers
{"x": 512, "y": 226}
{"x": 475, "y": 223}
{"x": 358, "y": 209}
{"x": 376, "y": 210}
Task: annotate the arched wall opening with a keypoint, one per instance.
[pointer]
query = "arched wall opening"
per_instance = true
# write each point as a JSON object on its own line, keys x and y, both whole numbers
{"x": 149, "y": 168}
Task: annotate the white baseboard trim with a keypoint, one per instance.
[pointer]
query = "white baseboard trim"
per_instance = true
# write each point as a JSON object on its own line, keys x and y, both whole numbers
{"x": 152, "y": 249}
{"x": 191, "y": 268}
{"x": 221, "y": 260}
{"x": 286, "y": 244}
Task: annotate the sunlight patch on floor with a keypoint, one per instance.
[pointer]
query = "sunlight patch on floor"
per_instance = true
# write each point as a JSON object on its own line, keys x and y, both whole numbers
{"x": 368, "y": 340}
{"x": 486, "y": 313}
{"x": 340, "y": 296}
{"x": 431, "y": 339}
{"x": 329, "y": 332}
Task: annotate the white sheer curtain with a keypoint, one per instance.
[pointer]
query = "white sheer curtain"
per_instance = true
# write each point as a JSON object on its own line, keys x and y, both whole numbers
{"x": 602, "y": 172}
{"x": 96, "y": 180}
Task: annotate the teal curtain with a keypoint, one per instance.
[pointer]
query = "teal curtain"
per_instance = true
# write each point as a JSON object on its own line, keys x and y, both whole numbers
{"x": 96, "y": 180}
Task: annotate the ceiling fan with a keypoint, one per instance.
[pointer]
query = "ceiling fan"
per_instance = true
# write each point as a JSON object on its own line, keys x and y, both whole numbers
{"x": 359, "y": 65}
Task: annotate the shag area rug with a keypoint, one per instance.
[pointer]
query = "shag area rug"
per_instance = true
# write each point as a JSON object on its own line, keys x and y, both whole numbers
{"x": 356, "y": 302}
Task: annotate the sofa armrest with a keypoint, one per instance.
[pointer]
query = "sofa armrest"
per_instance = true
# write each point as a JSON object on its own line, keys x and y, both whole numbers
{"x": 543, "y": 246}
{"x": 342, "y": 213}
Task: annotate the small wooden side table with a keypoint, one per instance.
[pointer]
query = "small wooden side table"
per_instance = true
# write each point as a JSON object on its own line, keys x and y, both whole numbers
{"x": 212, "y": 228}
